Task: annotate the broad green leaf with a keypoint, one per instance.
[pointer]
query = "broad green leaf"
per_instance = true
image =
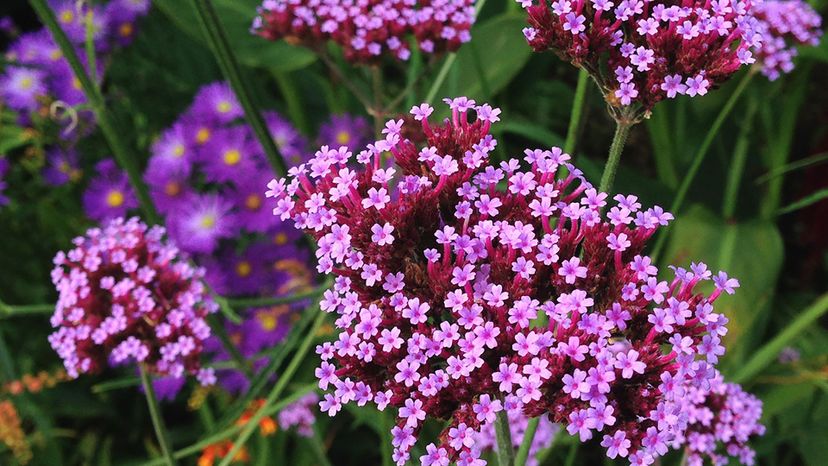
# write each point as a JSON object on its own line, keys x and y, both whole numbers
{"x": 11, "y": 137}
{"x": 749, "y": 251}
{"x": 237, "y": 15}
{"x": 498, "y": 50}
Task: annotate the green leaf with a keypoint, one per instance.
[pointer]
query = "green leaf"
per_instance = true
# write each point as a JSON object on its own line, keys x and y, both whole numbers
{"x": 750, "y": 251}
{"x": 237, "y": 16}
{"x": 531, "y": 131}
{"x": 11, "y": 137}
{"x": 812, "y": 198}
{"x": 503, "y": 52}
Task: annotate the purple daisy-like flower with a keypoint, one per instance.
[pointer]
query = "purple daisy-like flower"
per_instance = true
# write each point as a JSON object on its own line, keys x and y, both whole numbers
{"x": 169, "y": 186}
{"x": 20, "y": 87}
{"x": 173, "y": 151}
{"x": 292, "y": 146}
{"x": 109, "y": 194}
{"x": 61, "y": 166}
{"x": 217, "y": 102}
{"x": 352, "y": 131}
{"x": 231, "y": 155}
{"x": 122, "y": 15}
{"x": 254, "y": 214}
{"x": 202, "y": 222}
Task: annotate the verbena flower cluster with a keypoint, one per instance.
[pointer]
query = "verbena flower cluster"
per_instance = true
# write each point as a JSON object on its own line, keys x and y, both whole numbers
{"x": 784, "y": 24}
{"x": 721, "y": 420}
{"x": 205, "y": 175}
{"x": 369, "y": 29}
{"x": 300, "y": 415}
{"x": 444, "y": 261}
{"x": 641, "y": 53}
{"x": 38, "y": 73}
{"x": 125, "y": 294}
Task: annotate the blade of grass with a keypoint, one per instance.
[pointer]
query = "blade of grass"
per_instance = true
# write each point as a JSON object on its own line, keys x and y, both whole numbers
{"x": 274, "y": 394}
{"x": 577, "y": 110}
{"x": 804, "y": 202}
{"x": 226, "y": 58}
{"x": 770, "y": 350}
{"x": 799, "y": 164}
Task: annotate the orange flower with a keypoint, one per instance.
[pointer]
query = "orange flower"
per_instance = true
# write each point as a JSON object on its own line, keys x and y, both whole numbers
{"x": 219, "y": 450}
{"x": 267, "y": 425}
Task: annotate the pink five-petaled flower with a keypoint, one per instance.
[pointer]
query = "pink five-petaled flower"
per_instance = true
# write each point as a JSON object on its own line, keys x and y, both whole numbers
{"x": 439, "y": 323}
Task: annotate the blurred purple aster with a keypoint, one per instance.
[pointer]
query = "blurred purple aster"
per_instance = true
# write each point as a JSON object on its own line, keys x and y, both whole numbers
{"x": 352, "y": 131}
{"x": 35, "y": 48}
{"x": 169, "y": 186}
{"x": 231, "y": 155}
{"x": 4, "y": 168}
{"x": 109, "y": 194}
{"x": 216, "y": 102}
{"x": 21, "y": 86}
{"x": 61, "y": 166}
{"x": 253, "y": 214}
{"x": 233, "y": 273}
{"x": 202, "y": 222}
{"x": 292, "y": 146}
{"x": 172, "y": 151}
{"x": 122, "y": 15}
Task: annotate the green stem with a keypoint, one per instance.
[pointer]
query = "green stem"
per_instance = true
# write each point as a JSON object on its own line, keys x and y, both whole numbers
{"x": 91, "y": 58}
{"x": 699, "y": 157}
{"x": 573, "y": 453}
{"x": 385, "y": 440}
{"x": 235, "y": 354}
{"x": 123, "y": 155}
{"x": 577, "y": 110}
{"x": 622, "y": 130}
{"x": 274, "y": 394}
{"x": 447, "y": 64}
{"x": 217, "y": 38}
{"x": 155, "y": 414}
{"x": 526, "y": 444}
{"x": 505, "y": 449}
{"x": 378, "y": 111}
{"x": 26, "y": 309}
{"x": 737, "y": 167}
{"x": 234, "y": 429}
{"x": 319, "y": 447}
{"x": 771, "y": 349}
{"x": 274, "y": 300}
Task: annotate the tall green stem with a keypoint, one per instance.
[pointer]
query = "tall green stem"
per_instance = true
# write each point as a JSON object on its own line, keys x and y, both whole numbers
{"x": 577, "y": 110}
{"x": 284, "y": 379}
{"x": 124, "y": 156}
{"x": 737, "y": 167}
{"x": 214, "y": 32}
{"x": 526, "y": 444}
{"x": 622, "y": 130}
{"x": 505, "y": 449}
{"x": 699, "y": 157}
{"x": 157, "y": 420}
{"x": 378, "y": 111}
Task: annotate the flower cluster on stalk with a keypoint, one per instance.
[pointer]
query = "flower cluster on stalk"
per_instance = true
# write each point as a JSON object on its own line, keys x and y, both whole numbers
{"x": 641, "y": 53}
{"x": 125, "y": 294}
{"x": 784, "y": 25}
{"x": 464, "y": 288}
{"x": 721, "y": 420}
{"x": 367, "y": 30}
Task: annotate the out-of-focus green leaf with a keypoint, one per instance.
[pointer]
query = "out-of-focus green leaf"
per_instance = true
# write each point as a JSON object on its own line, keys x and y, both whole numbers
{"x": 11, "y": 137}
{"x": 503, "y": 53}
{"x": 237, "y": 15}
{"x": 804, "y": 202}
{"x": 533, "y": 132}
{"x": 750, "y": 251}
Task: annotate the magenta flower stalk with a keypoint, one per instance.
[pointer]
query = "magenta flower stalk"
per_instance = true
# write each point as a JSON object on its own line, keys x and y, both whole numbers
{"x": 784, "y": 25}
{"x": 368, "y": 30}
{"x": 127, "y": 295}
{"x": 443, "y": 261}
{"x": 721, "y": 421}
{"x": 640, "y": 53}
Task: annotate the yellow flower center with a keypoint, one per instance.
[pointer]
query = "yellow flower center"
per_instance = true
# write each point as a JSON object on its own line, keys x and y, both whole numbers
{"x": 343, "y": 137}
{"x": 125, "y": 30}
{"x": 26, "y": 83}
{"x": 208, "y": 221}
{"x": 243, "y": 269}
{"x": 178, "y": 150}
{"x": 66, "y": 16}
{"x": 253, "y": 202}
{"x": 76, "y": 83}
{"x": 64, "y": 167}
{"x": 203, "y": 135}
{"x": 280, "y": 239}
{"x": 232, "y": 157}
{"x": 115, "y": 199}
{"x": 268, "y": 320}
{"x": 173, "y": 188}
{"x": 55, "y": 55}
{"x": 224, "y": 107}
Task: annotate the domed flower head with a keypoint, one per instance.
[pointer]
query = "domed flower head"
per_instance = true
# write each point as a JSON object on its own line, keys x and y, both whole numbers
{"x": 444, "y": 264}
{"x": 368, "y": 30}
{"x": 126, "y": 295}
{"x": 721, "y": 420}
{"x": 345, "y": 130}
{"x": 784, "y": 25}
{"x": 641, "y": 53}
{"x": 300, "y": 414}
{"x": 109, "y": 194}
